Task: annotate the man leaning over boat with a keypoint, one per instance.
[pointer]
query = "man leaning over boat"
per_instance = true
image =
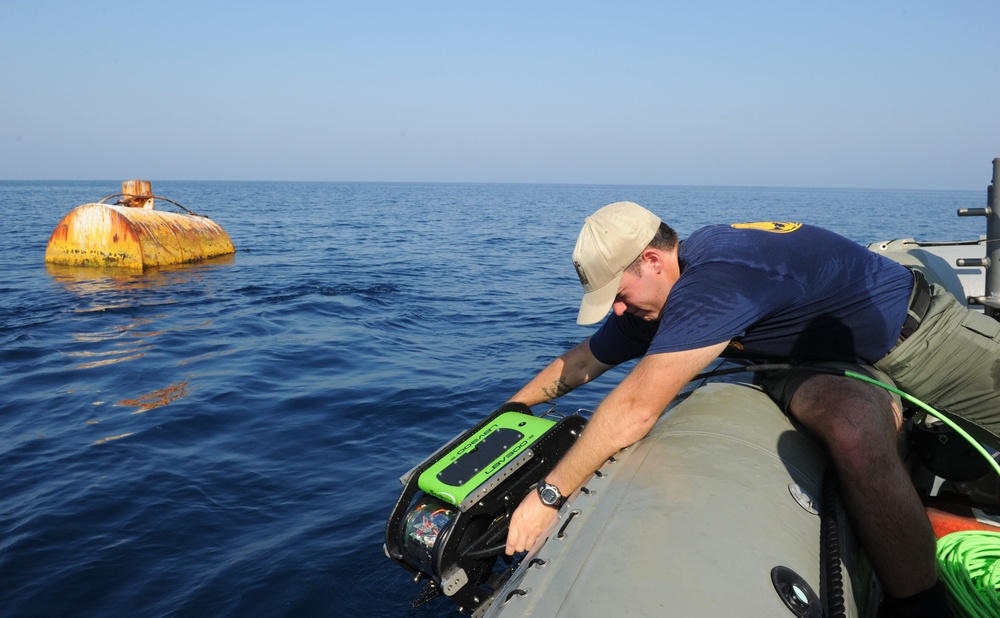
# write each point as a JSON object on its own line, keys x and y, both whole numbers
{"x": 773, "y": 291}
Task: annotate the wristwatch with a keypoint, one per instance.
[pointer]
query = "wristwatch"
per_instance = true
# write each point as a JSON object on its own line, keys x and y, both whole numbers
{"x": 549, "y": 494}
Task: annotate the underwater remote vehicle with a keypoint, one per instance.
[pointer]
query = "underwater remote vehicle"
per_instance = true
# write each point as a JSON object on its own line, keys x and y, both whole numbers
{"x": 449, "y": 526}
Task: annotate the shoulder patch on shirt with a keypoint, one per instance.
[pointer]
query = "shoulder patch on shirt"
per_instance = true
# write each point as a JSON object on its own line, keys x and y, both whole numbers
{"x": 780, "y": 227}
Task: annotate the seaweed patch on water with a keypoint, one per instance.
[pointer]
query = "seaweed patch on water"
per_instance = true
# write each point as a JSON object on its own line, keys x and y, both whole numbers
{"x": 158, "y": 398}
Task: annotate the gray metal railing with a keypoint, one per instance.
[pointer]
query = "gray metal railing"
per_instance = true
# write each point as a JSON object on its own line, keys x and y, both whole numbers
{"x": 991, "y": 298}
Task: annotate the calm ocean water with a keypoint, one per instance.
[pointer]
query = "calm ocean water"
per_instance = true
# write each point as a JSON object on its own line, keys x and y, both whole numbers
{"x": 225, "y": 439}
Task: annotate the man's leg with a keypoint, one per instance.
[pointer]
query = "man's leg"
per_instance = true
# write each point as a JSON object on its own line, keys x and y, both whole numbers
{"x": 859, "y": 423}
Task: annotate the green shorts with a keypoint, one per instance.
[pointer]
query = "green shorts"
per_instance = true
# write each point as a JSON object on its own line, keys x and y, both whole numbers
{"x": 951, "y": 363}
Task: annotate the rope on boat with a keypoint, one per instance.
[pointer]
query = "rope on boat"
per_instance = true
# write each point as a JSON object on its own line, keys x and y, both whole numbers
{"x": 860, "y": 376}
{"x": 969, "y": 564}
{"x": 151, "y": 197}
{"x": 929, "y": 410}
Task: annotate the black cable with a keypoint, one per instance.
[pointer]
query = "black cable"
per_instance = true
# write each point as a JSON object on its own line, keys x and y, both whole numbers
{"x": 832, "y": 582}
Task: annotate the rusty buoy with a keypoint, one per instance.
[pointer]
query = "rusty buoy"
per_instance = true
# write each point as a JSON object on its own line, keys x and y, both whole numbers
{"x": 132, "y": 234}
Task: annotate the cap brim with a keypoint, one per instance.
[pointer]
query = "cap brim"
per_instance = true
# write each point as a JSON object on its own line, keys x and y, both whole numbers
{"x": 597, "y": 303}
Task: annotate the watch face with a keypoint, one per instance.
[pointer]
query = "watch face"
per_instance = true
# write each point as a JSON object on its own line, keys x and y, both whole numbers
{"x": 549, "y": 494}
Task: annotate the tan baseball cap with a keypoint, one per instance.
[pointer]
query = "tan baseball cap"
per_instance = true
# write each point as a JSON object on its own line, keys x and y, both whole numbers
{"x": 609, "y": 242}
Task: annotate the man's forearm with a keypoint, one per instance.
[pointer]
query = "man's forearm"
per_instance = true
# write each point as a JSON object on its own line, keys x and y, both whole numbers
{"x": 629, "y": 412}
{"x": 575, "y": 367}
{"x": 547, "y": 385}
{"x": 625, "y": 415}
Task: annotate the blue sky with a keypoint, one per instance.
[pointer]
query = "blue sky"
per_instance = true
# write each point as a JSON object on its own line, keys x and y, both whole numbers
{"x": 880, "y": 94}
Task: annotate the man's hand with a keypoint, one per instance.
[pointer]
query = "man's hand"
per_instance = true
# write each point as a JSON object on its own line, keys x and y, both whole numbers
{"x": 528, "y": 523}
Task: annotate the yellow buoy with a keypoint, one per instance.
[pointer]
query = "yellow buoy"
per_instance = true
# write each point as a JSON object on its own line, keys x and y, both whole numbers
{"x": 131, "y": 234}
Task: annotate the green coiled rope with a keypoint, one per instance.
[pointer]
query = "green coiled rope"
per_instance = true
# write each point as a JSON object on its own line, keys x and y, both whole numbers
{"x": 968, "y": 562}
{"x": 969, "y": 565}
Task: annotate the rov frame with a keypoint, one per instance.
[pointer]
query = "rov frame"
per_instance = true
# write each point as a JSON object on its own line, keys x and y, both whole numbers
{"x": 450, "y": 523}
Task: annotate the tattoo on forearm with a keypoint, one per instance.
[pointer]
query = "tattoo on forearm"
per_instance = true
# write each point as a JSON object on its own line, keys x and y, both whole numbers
{"x": 558, "y": 388}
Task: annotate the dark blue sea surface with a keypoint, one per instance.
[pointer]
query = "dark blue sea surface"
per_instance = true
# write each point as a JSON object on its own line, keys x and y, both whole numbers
{"x": 226, "y": 438}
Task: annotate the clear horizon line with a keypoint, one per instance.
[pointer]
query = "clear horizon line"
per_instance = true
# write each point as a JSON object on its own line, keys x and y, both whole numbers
{"x": 532, "y": 183}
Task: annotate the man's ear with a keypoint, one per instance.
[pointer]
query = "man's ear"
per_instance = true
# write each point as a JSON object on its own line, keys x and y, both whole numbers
{"x": 653, "y": 257}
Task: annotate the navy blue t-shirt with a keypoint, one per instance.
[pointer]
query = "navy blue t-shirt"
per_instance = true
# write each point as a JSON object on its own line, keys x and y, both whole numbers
{"x": 774, "y": 291}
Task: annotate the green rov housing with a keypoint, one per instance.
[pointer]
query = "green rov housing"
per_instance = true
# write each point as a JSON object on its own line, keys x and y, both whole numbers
{"x": 450, "y": 523}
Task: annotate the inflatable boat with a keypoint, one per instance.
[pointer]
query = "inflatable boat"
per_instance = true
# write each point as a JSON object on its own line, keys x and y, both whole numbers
{"x": 724, "y": 509}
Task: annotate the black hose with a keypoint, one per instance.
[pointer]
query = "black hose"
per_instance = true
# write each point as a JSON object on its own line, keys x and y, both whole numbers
{"x": 832, "y": 580}
{"x": 753, "y": 368}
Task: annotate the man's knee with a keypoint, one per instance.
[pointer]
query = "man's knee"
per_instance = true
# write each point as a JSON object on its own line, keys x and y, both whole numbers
{"x": 846, "y": 413}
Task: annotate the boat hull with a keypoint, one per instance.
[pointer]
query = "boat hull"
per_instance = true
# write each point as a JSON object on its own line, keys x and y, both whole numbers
{"x": 692, "y": 521}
